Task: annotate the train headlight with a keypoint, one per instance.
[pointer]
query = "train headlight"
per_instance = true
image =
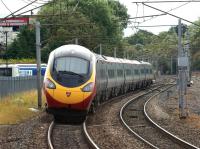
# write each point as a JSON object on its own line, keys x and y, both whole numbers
{"x": 49, "y": 84}
{"x": 88, "y": 87}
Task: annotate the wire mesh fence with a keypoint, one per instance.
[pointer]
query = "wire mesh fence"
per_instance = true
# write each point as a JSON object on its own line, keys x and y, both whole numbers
{"x": 11, "y": 85}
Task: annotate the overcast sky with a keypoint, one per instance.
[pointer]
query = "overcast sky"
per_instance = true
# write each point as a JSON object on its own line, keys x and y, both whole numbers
{"x": 189, "y": 11}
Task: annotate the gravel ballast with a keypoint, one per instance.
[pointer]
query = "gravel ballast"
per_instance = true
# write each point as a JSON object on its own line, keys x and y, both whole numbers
{"x": 164, "y": 110}
{"x": 30, "y": 134}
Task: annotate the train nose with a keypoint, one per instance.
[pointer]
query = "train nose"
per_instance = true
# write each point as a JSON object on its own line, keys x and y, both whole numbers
{"x": 69, "y": 96}
{"x": 68, "y": 93}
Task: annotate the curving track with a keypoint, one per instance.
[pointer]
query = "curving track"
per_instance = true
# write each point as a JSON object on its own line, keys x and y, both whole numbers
{"x": 66, "y": 136}
{"x": 134, "y": 116}
{"x": 104, "y": 129}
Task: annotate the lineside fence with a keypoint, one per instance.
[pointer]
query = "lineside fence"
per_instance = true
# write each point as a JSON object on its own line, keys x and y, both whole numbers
{"x": 10, "y": 85}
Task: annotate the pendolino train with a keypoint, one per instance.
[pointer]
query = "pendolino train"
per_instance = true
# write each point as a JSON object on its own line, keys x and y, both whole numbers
{"x": 78, "y": 80}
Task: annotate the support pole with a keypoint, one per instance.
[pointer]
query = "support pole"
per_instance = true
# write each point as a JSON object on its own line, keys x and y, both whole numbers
{"x": 38, "y": 55}
{"x": 76, "y": 41}
{"x": 6, "y": 32}
{"x": 182, "y": 79}
{"x": 171, "y": 65}
{"x": 124, "y": 54}
{"x": 187, "y": 50}
{"x": 127, "y": 55}
{"x": 115, "y": 52}
{"x": 100, "y": 49}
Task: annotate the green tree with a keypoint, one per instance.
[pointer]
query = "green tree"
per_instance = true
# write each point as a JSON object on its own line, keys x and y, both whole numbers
{"x": 24, "y": 45}
{"x": 195, "y": 45}
{"x": 93, "y": 22}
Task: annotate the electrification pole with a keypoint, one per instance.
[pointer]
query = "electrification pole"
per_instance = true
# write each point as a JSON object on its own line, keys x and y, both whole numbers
{"x": 127, "y": 55}
{"x": 100, "y": 49}
{"x": 171, "y": 65}
{"x": 38, "y": 55}
{"x": 182, "y": 77}
{"x": 124, "y": 54}
{"x": 76, "y": 41}
{"x": 187, "y": 52}
{"x": 115, "y": 52}
{"x": 6, "y": 32}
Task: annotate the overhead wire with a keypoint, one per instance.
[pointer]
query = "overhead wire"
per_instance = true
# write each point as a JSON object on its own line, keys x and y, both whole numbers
{"x": 169, "y": 1}
{"x": 6, "y": 6}
{"x": 166, "y": 11}
{"x": 136, "y": 18}
{"x": 12, "y": 14}
{"x": 33, "y": 9}
{"x": 172, "y": 15}
{"x": 38, "y": 2}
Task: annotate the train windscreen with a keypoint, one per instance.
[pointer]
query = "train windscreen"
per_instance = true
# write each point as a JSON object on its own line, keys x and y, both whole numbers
{"x": 70, "y": 71}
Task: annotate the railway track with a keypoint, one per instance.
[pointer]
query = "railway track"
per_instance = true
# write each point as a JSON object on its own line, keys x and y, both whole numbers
{"x": 60, "y": 138}
{"x": 66, "y": 136}
{"x": 135, "y": 118}
{"x": 105, "y": 131}
{"x": 105, "y": 127}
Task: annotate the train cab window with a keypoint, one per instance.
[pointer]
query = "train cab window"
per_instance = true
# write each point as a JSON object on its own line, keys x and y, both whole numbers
{"x": 71, "y": 71}
{"x": 72, "y": 64}
{"x": 150, "y": 71}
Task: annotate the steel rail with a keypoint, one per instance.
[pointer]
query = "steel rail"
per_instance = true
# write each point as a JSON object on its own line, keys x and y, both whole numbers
{"x": 89, "y": 139}
{"x": 126, "y": 125}
{"x": 174, "y": 137}
{"x": 50, "y": 134}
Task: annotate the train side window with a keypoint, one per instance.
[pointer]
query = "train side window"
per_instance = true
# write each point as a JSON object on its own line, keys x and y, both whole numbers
{"x": 128, "y": 72}
{"x": 142, "y": 71}
{"x": 111, "y": 73}
{"x": 103, "y": 73}
{"x": 136, "y": 72}
{"x": 147, "y": 71}
{"x": 119, "y": 73}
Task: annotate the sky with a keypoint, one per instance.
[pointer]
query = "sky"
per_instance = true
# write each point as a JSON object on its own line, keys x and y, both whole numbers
{"x": 189, "y": 11}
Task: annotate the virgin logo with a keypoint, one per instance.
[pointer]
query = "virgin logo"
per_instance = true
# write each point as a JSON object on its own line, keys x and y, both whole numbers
{"x": 68, "y": 94}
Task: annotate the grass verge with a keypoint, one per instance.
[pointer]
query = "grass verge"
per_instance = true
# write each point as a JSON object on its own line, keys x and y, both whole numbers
{"x": 15, "y": 108}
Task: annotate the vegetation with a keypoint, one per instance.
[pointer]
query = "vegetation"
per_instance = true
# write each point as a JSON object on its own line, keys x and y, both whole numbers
{"x": 92, "y": 22}
{"x": 15, "y": 108}
{"x": 163, "y": 47}
{"x": 16, "y": 61}
{"x": 195, "y": 45}
{"x": 101, "y": 21}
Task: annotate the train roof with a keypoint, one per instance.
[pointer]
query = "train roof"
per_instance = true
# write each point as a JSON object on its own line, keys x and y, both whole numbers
{"x": 116, "y": 60}
{"x": 147, "y": 63}
{"x": 73, "y": 50}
